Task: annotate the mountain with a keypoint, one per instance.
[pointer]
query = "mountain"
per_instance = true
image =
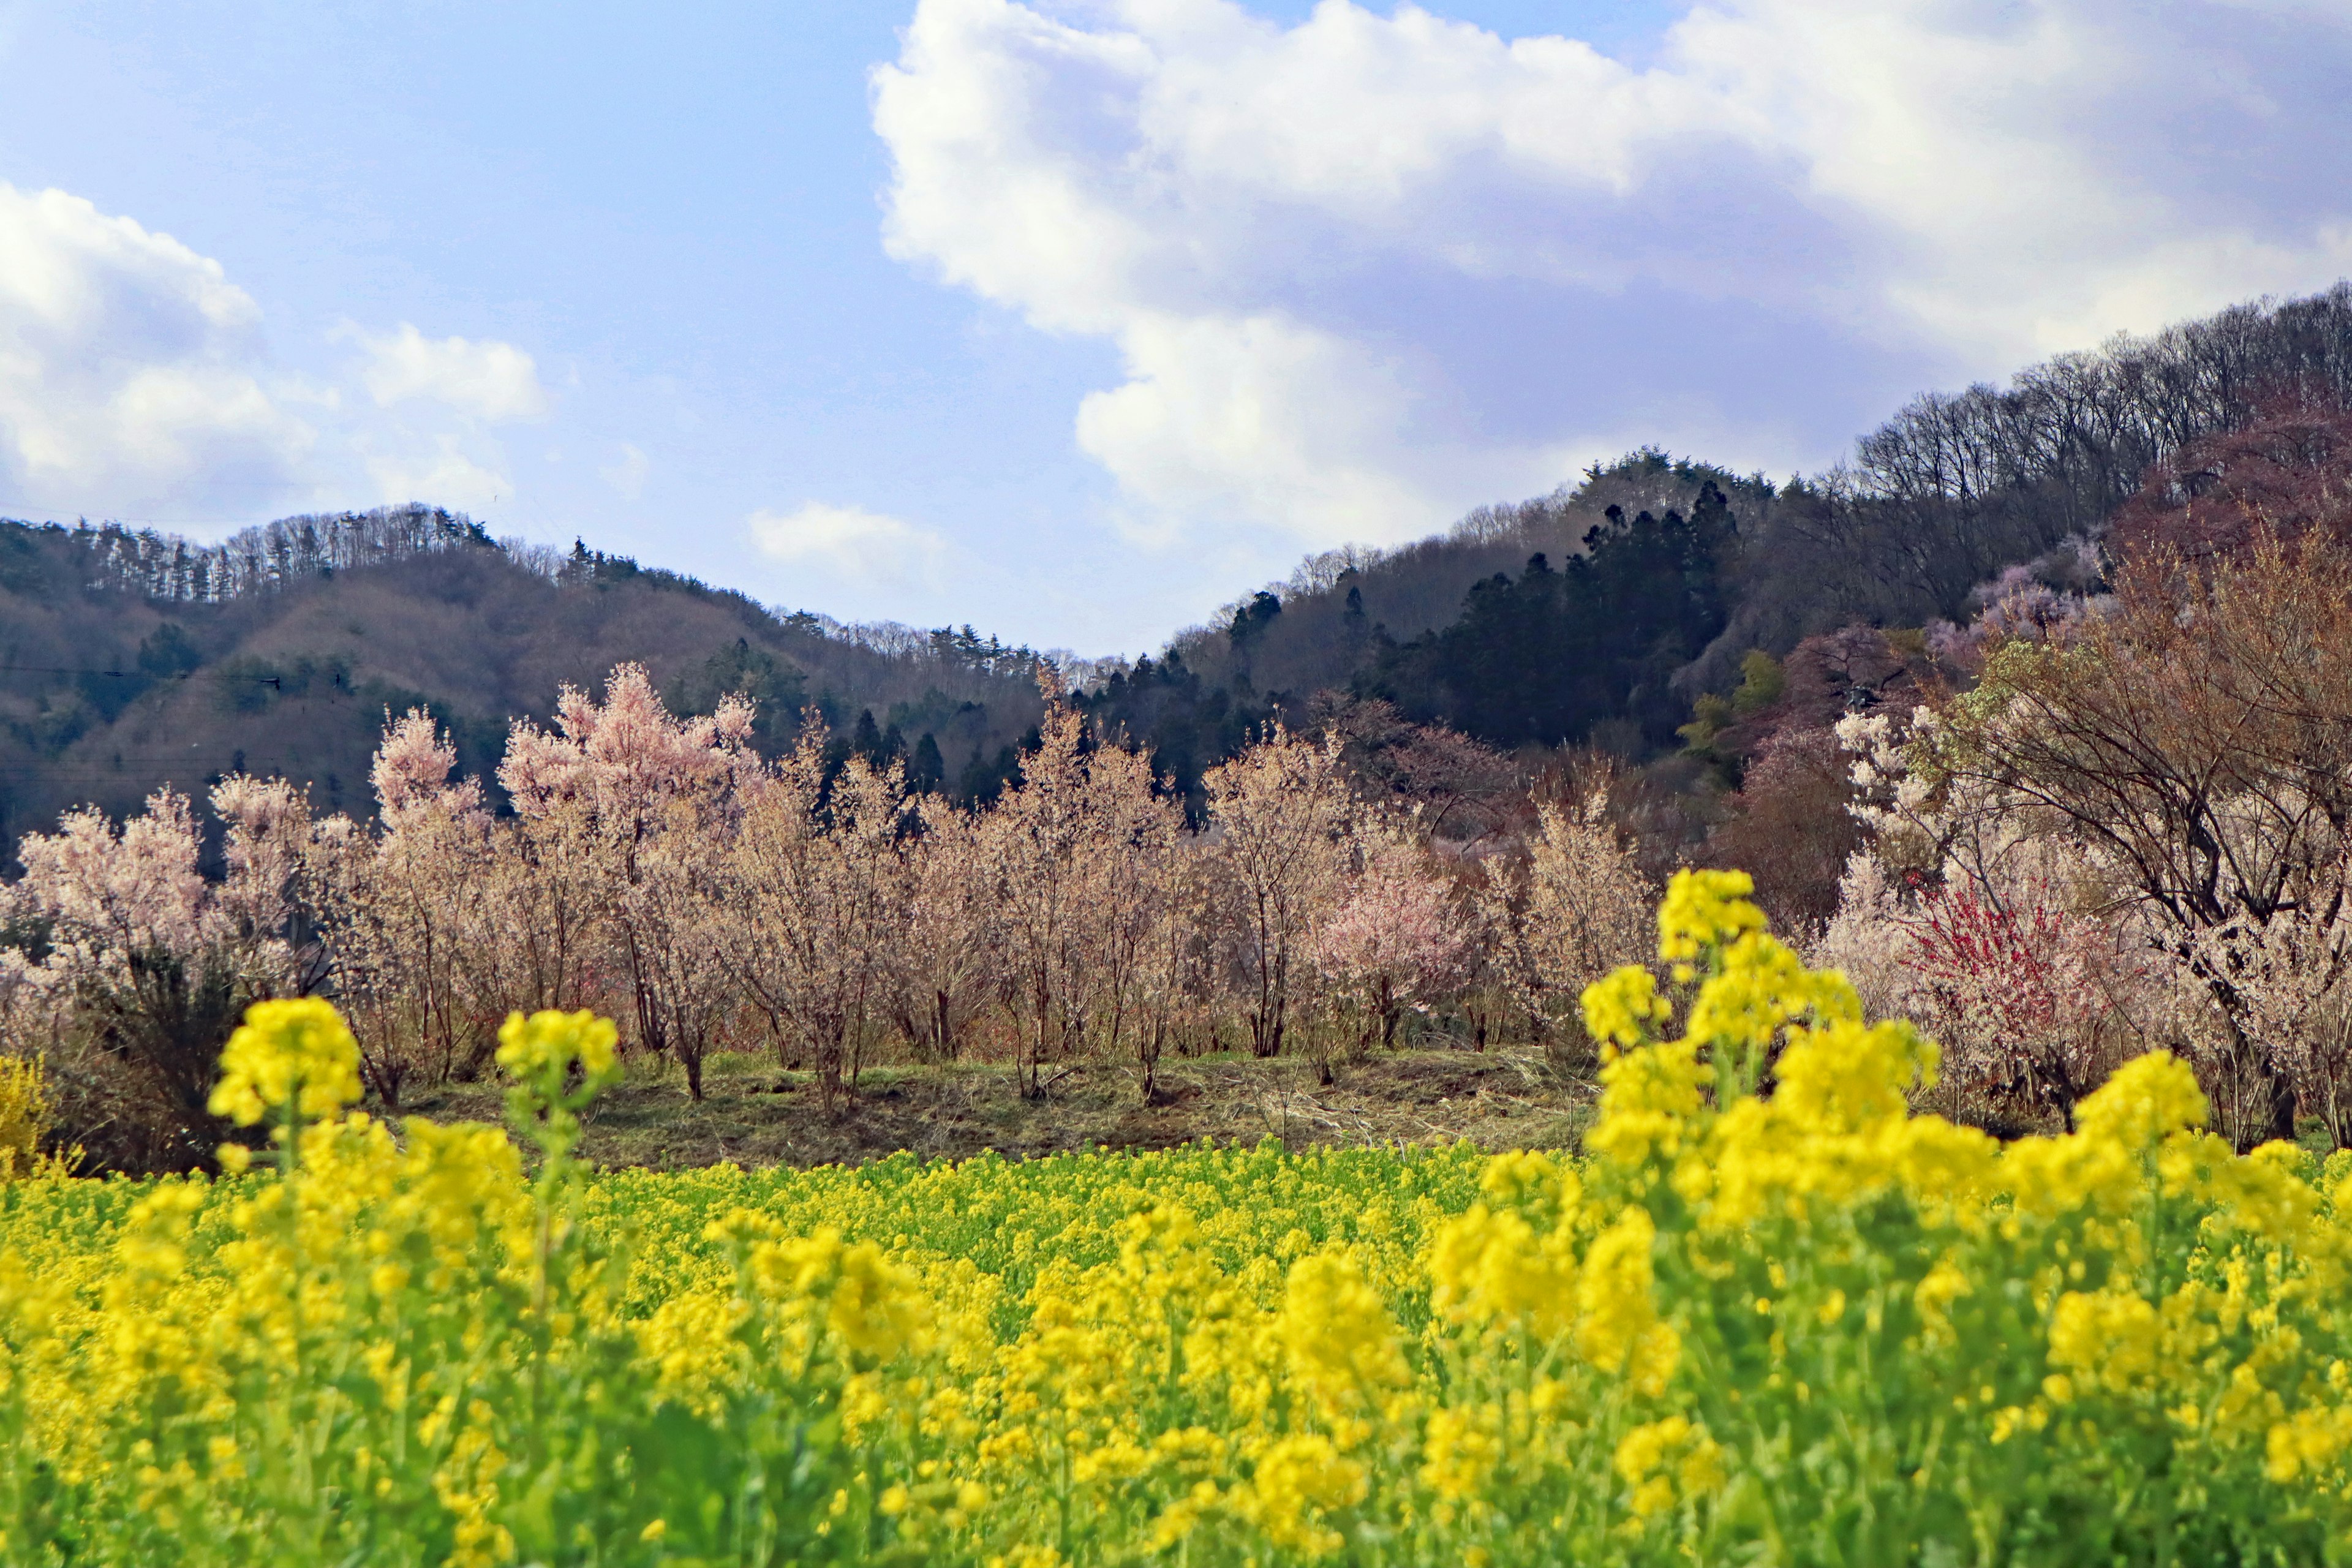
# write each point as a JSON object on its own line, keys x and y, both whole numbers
{"x": 129, "y": 661}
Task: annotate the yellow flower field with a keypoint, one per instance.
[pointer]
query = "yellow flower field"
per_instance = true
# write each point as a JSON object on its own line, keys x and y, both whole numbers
{"x": 1771, "y": 1317}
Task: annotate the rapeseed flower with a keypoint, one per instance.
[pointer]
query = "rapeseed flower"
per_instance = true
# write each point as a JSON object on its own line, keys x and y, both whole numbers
{"x": 295, "y": 1053}
{"x": 1770, "y": 1314}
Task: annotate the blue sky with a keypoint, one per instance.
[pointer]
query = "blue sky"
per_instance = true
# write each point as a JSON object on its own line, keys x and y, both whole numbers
{"x": 1085, "y": 315}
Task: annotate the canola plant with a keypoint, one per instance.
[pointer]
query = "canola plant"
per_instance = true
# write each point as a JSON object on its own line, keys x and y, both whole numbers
{"x": 1772, "y": 1316}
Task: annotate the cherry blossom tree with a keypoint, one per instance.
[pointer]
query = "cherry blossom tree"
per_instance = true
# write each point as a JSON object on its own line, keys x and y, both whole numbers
{"x": 2015, "y": 989}
{"x": 2189, "y": 749}
{"x": 408, "y": 914}
{"x": 1571, "y": 909}
{"x": 1396, "y": 941}
{"x": 1076, "y": 854}
{"x": 144, "y": 960}
{"x": 816, "y": 892}
{"x": 1279, "y": 817}
{"x": 946, "y": 963}
{"x": 265, "y": 896}
{"x": 647, "y": 796}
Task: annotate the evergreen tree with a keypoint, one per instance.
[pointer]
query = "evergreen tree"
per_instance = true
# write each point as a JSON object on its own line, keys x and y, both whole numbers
{"x": 928, "y": 770}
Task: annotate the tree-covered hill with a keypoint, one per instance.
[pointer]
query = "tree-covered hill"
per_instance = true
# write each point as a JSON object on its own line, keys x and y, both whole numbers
{"x": 133, "y": 661}
{"x": 1604, "y": 612}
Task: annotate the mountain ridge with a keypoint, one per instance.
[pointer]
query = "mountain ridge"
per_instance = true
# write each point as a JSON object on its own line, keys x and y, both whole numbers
{"x": 127, "y": 665}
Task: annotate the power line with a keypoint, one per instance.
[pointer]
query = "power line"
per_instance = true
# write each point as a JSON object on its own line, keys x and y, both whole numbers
{"x": 128, "y": 772}
{"x": 159, "y": 759}
{"x": 272, "y": 680}
{"x": 119, "y": 674}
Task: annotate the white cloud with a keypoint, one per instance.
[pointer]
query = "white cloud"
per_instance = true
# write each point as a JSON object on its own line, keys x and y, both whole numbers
{"x": 439, "y": 470}
{"x": 130, "y": 365}
{"x": 488, "y": 379}
{"x": 136, "y": 379}
{"x": 1242, "y": 418}
{"x": 860, "y": 546}
{"x": 627, "y": 470}
{"x": 1369, "y": 269}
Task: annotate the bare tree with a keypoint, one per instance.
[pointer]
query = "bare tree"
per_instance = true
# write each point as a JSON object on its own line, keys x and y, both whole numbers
{"x": 818, "y": 884}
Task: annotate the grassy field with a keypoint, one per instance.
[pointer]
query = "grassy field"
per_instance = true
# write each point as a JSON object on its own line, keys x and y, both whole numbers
{"x": 755, "y": 1114}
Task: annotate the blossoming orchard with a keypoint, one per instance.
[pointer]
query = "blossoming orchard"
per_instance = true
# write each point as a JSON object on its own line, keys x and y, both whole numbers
{"x": 654, "y": 869}
{"x": 1804, "y": 1327}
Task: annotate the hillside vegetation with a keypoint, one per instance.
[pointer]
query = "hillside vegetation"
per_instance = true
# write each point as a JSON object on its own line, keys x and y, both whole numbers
{"x": 133, "y": 661}
{"x": 1604, "y": 612}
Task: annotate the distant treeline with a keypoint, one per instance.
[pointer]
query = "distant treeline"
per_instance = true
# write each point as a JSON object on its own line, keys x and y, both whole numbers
{"x": 169, "y": 567}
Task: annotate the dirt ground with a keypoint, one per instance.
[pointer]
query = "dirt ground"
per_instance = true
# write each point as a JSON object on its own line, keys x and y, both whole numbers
{"x": 754, "y": 1114}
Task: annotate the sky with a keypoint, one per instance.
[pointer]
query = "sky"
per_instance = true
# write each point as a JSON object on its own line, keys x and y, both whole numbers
{"x": 1075, "y": 319}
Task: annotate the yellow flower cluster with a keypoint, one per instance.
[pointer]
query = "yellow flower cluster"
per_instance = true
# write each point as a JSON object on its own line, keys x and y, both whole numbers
{"x": 1771, "y": 1316}
{"x": 291, "y": 1054}
{"x": 532, "y": 1047}
{"x": 24, "y": 1115}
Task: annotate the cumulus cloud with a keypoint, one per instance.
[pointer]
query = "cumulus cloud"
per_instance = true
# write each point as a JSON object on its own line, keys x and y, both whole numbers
{"x": 437, "y": 403}
{"x": 1369, "y": 270}
{"x": 135, "y": 377}
{"x": 861, "y": 546}
{"x": 130, "y": 365}
{"x": 489, "y": 380}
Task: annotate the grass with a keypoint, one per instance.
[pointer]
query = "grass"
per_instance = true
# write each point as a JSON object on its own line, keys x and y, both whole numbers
{"x": 754, "y": 1114}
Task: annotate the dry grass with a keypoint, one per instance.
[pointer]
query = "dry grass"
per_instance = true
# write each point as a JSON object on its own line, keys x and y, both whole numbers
{"x": 754, "y": 1114}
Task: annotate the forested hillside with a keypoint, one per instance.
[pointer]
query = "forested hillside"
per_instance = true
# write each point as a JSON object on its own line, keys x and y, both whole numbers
{"x": 131, "y": 661}
{"x": 1604, "y": 612}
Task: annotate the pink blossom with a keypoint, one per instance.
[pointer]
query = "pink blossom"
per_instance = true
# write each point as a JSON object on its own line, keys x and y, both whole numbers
{"x": 110, "y": 891}
{"x": 625, "y": 756}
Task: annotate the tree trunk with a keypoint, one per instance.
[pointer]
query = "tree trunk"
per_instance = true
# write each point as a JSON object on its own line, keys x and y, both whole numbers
{"x": 2279, "y": 1090}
